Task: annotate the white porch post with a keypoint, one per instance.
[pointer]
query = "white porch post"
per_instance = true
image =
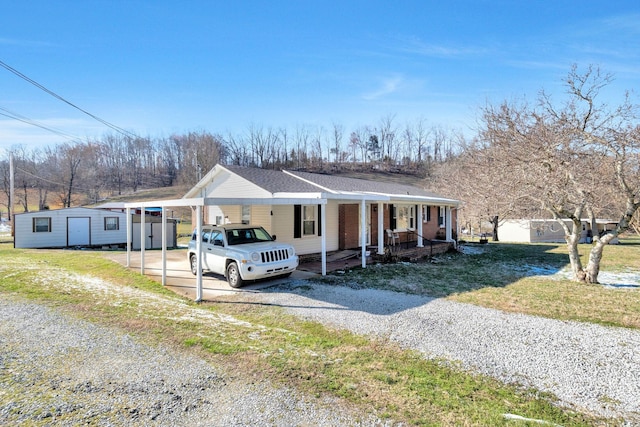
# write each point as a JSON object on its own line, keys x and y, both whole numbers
{"x": 380, "y": 228}
{"x": 199, "y": 252}
{"x": 129, "y": 236}
{"x": 363, "y": 232}
{"x": 143, "y": 241}
{"x": 419, "y": 226}
{"x": 448, "y": 224}
{"x": 164, "y": 246}
{"x": 323, "y": 229}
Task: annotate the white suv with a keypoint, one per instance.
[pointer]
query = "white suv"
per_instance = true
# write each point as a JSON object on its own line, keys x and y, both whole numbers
{"x": 242, "y": 252}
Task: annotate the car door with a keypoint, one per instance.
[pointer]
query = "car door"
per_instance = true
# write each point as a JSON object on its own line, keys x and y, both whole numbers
{"x": 215, "y": 252}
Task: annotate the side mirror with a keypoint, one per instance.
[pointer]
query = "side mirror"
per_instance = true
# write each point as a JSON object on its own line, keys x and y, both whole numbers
{"x": 273, "y": 237}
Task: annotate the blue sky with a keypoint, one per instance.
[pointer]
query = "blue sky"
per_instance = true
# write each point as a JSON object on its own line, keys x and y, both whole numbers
{"x": 162, "y": 67}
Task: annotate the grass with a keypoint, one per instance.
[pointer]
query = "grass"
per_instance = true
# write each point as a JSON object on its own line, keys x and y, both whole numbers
{"x": 517, "y": 278}
{"x": 264, "y": 342}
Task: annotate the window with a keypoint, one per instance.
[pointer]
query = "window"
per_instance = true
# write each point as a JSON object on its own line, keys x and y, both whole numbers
{"x": 246, "y": 214}
{"x": 308, "y": 220}
{"x": 442, "y": 211}
{"x": 112, "y": 223}
{"x": 404, "y": 217}
{"x": 42, "y": 225}
{"x": 426, "y": 213}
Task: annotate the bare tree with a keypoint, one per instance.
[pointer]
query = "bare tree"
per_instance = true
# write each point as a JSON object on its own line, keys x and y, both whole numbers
{"x": 562, "y": 158}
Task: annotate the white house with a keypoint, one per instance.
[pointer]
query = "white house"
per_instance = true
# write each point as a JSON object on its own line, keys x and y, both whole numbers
{"x": 295, "y": 206}
{"x": 547, "y": 230}
{"x": 85, "y": 227}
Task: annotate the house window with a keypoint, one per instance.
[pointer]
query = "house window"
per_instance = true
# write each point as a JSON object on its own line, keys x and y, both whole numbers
{"x": 442, "y": 212}
{"x": 246, "y": 214}
{"x": 112, "y": 223}
{"x": 308, "y": 220}
{"x": 426, "y": 213}
{"x": 404, "y": 217}
{"x": 42, "y": 225}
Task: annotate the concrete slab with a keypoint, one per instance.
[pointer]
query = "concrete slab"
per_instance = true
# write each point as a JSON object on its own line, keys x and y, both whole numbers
{"x": 180, "y": 280}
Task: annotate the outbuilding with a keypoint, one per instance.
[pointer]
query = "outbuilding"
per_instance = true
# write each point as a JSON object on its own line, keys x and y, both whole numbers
{"x": 86, "y": 227}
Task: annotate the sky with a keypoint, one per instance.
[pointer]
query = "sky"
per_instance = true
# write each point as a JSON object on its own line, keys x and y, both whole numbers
{"x": 155, "y": 68}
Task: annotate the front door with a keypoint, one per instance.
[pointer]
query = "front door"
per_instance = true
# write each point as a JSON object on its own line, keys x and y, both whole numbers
{"x": 78, "y": 231}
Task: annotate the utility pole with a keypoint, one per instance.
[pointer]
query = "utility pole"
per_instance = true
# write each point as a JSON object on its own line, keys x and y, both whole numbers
{"x": 11, "y": 190}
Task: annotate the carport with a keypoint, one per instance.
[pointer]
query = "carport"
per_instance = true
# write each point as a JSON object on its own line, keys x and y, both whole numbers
{"x": 198, "y": 204}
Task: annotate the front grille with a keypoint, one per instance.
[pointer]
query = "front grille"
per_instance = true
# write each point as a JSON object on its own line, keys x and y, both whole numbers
{"x": 274, "y": 255}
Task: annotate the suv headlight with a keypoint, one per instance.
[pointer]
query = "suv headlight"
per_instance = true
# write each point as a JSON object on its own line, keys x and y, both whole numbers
{"x": 255, "y": 256}
{"x": 291, "y": 251}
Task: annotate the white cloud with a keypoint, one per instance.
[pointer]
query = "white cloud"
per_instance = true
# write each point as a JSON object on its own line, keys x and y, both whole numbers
{"x": 388, "y": 86}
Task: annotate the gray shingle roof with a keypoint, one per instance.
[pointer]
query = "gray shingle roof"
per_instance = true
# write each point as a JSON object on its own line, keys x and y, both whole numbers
{"x": 273, "y": 181}
{"x": 278, "y": 181}
{"x": 340, "y": 183}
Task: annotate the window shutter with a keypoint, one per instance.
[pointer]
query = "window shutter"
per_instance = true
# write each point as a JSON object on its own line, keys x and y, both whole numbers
{"x": 392, "y": 218}
{"x": 297, "y": 221}
{"x": 428, "y": 213}
{"x": 319, "y": 220}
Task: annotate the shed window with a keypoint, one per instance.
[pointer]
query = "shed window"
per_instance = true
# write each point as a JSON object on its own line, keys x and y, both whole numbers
{"x": 112, "y": 223}
{"x": 42, "y": 225}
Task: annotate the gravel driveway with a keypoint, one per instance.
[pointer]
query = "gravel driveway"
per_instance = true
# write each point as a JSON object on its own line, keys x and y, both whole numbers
{"x": 593, "y": 367}
{"x": 58, "y": 370}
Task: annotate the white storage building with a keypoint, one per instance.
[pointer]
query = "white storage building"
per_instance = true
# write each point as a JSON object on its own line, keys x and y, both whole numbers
{"x": 86, "y": 227}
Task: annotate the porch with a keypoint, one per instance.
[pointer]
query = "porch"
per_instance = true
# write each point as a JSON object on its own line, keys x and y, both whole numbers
{"x": 347, "y": 259}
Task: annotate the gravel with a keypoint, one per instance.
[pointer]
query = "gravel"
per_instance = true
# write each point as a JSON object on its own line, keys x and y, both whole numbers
{"x": 57, "y": 370}
{"x": 590, "y": 367}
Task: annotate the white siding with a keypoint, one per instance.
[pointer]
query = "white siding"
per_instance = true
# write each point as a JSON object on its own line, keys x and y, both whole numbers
{"x": 515, "y": 231}
{"x": 57, "y": 237}
{"x": 261, "y": 215}
{"x": 536, "y": 231}
{"x": 231, "y": 185}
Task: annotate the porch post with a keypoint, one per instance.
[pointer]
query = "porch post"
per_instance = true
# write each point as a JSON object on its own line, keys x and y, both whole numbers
{"x": 363, "y": 232}
{"x": 129, "y": 228}
{"x": 143, "y": 241}
{"x": 199, "y": 252}
{"x": 164, "y": 246}
{"x": 380, "y": 228}
{"x": 323, "y": 227}
{"x": 419, "y": 226}
{"x": 448, "y": 223}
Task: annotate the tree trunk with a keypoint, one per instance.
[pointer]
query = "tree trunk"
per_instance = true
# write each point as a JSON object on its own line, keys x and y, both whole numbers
{"x": 593, "y": 266}
{"x": 495, "y": 223}
{"x": 574, "y": 257}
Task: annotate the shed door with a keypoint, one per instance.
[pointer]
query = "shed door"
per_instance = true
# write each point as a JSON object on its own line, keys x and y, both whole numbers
{"x": 78, "y": 231}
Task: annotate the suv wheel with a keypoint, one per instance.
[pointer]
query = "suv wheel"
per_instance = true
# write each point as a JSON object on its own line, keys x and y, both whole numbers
{"x": 194, "y": 264}
{"x": 233, "y": 275}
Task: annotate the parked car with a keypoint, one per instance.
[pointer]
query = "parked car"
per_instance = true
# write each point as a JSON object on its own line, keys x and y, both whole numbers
{"x": 241, "y": 253}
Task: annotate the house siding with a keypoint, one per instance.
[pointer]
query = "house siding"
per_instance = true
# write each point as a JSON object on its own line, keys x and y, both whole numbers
{"x": 230, "y": 185}
{"x": 25, "y": 237}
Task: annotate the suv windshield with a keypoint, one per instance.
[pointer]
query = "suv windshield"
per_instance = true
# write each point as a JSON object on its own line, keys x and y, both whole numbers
{"x": 247, "y": 235}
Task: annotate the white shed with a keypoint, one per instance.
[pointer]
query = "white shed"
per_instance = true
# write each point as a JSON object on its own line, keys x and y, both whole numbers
{"x": 546, "y": 230}
{"x": 83, "y": 227}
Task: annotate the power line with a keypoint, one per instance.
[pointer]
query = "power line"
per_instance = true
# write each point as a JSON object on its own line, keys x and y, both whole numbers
{"x": 55, "y": 95}
{"x": 23, "y": 119}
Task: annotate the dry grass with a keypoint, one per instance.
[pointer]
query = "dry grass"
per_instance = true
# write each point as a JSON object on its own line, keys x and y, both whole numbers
{"x": 517, "y": 278}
